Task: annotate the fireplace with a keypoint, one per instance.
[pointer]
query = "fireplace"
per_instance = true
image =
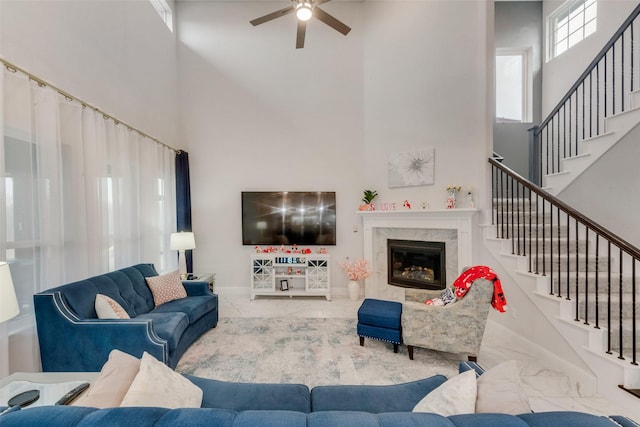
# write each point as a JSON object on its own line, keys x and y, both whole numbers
{"x": 416, "y": 264}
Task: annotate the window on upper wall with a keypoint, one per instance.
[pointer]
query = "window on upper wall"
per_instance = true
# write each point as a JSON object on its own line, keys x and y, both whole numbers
{"x": 571, "y": 23}
{"x": 164, "y": 10}
{"x": 514, "y": 83}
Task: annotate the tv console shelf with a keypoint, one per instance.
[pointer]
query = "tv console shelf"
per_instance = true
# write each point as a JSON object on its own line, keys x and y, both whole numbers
{"x": 289, "y": 275}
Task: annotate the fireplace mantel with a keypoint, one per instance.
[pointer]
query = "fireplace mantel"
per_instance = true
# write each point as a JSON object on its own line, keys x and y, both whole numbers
{"x": 462, "y": 221}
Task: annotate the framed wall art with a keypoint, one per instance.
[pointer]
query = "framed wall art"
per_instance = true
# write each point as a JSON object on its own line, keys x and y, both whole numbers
{"x": 409, "y": 169}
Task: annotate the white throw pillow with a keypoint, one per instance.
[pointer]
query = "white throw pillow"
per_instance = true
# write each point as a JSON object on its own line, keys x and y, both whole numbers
{"x": 455, "y": 396}
{"x": 116, "y": 376}
{"x": 499, "y": 390}
{"x": 108, "y": 308}
{"x": 158, "y": 385}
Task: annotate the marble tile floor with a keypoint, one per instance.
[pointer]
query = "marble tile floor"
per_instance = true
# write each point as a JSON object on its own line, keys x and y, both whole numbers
{"x": 547, "y": 388}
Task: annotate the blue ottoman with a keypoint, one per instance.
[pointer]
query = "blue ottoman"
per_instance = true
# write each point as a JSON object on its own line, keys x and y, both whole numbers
{"x": 380, "y": 320}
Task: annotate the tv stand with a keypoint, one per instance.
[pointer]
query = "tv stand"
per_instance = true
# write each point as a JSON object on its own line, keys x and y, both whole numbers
{"x": 288, "y": 275}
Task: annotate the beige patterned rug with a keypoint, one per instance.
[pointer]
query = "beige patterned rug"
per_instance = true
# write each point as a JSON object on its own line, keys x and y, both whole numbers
{"x": 307, "y": 351}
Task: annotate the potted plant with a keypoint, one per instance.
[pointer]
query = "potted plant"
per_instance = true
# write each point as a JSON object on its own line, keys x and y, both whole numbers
{"x": 367, "y": 199}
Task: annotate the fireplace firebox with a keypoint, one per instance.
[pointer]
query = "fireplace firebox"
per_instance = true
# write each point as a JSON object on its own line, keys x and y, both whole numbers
{"x": 416, "y": 264}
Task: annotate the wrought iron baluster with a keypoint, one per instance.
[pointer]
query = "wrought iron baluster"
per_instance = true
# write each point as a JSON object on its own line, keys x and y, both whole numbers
{"x": 609, "y": 285}
{"x": 597, "y": 284}
{"x": 586, "y": 274}
{"x": 621, "y": 342}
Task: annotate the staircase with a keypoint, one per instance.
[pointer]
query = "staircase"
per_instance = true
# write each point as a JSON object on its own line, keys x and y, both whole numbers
{"x": 598, "y": 111}
{"x": 590, "y": 149}
{"x": 581, "y": 279}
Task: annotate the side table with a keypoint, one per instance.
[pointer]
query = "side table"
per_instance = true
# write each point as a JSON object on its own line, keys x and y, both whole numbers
{"x": 203, "y": 277}
{"x": 52, "y": 385}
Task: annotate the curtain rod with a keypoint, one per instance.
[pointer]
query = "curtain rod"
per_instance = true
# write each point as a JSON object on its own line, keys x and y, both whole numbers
{"x": 13, "y": 69}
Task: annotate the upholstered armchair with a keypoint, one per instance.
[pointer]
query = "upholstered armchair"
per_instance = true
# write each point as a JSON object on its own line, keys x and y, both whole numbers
{"x": 455, "y": 328}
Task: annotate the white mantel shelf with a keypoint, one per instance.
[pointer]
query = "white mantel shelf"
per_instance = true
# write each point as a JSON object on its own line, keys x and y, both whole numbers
{"x": 462, "y": 220}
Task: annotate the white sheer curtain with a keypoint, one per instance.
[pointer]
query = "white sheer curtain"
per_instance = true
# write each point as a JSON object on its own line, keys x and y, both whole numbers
{"x": 83, "y": 195}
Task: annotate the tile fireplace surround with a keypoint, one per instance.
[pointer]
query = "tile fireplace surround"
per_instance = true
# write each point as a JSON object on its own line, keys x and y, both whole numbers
{"x": 452, "y": 226}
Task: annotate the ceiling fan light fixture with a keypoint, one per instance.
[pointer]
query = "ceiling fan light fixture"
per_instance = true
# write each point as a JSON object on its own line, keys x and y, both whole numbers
{"x": 303, "y": 11}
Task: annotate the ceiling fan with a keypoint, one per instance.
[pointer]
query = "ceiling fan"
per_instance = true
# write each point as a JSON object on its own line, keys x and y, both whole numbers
{"x": 305, "y": 10}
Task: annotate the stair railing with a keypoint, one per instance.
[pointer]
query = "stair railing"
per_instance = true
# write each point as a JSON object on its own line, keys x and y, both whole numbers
{"x": 601, "y": 91}
{"x": 585, "y": 262}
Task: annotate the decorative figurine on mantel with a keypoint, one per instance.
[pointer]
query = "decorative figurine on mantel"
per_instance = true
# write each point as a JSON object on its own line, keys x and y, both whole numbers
{"x": 470, "y": 203}
{"x": 451, "y": 200}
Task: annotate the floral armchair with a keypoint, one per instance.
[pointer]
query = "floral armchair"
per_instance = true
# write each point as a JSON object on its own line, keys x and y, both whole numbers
{"x": 455, "y": 328}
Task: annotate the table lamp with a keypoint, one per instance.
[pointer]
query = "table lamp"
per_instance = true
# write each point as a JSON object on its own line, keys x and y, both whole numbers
{"x": 182, "y": 241}
{"x": 8, "y": 301}
{"x": 9, "y": 309}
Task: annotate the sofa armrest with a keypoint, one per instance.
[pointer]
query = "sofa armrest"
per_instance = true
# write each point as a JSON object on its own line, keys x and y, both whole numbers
{"x": 196, "y": 288}
{"x": 66, "y": 340}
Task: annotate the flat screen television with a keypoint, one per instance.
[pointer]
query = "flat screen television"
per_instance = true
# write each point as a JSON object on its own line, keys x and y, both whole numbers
{"x": 289, "y": 217}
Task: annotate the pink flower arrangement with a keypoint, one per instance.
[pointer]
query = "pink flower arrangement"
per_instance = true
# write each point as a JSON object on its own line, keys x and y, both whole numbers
{"x": 356, "y": 270}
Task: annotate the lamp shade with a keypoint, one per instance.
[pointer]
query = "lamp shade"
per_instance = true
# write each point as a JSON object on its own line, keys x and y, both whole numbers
{"x": 8, "y": 301}
{"x": 182, "y": 241}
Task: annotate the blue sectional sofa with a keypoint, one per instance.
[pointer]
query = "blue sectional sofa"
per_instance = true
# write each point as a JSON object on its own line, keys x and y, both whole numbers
{"x": 73, "y": 339}
{"x": 292, "y": 405}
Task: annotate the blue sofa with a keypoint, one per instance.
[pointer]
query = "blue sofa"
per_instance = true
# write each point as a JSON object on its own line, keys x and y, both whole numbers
{"x": 292, "y": 405}
{"x": 73, "y": 339}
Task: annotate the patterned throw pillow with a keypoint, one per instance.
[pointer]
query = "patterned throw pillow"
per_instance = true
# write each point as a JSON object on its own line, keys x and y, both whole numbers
{"x": 447, "y": 296}
{"x": 108, "y": 308}
{"x": 166, "y": 287}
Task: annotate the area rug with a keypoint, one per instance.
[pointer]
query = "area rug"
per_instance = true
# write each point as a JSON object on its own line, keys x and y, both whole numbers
{"x": 311, "y": 351}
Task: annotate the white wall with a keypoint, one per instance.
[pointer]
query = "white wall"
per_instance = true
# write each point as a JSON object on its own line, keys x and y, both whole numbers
{"x": 257, "y": 114}
{"x": 116, "y": 55}
{"x": 610, "y": 198}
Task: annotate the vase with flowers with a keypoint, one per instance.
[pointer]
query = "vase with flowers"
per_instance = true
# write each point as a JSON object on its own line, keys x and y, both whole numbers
{"x": 355, "y": 271}
{"x": 451, "y": 200}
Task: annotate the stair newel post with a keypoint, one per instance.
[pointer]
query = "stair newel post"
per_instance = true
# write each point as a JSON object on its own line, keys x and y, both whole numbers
{"x": 530, "y": 220}
{"x": 535, "y": 154}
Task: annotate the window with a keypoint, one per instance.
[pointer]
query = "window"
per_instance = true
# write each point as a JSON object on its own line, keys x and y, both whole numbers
{"x": 514, "y": 84}
{"x": 163, "y": 9}
{"x": 570, "y": 24}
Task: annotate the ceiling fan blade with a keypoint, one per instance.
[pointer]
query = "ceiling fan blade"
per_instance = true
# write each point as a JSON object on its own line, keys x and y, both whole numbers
{"x": 273, "y": 15}
{"x": 330, "y": 21}
{"x": 319, "y": 2}
{"x": 302, "y": 29}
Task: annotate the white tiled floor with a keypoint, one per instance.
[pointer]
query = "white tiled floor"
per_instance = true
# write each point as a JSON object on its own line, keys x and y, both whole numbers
{"x": 548, "y": 389}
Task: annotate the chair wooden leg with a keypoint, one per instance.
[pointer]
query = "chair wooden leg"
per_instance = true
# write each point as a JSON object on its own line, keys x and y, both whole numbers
{"x": 472, "y": 358}
{"x": 410, "y": 350}
{"x": 395, "y": 348}
{"x": 362, "y": 341}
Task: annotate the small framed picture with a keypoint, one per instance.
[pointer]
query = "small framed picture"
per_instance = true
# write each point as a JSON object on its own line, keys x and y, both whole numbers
{"x": 284, "y": 285}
